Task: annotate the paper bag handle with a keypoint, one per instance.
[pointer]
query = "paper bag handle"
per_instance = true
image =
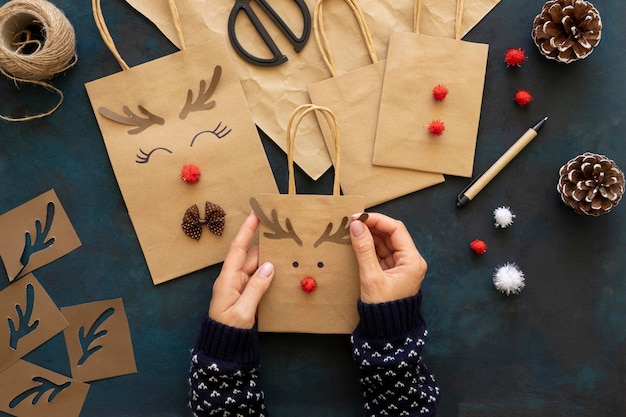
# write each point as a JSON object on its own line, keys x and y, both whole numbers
{"x": 322, "y": 41}
{"x": 292, "y": 127}
{"x": 108, "y": 39}
{"x": 417, "y": 15}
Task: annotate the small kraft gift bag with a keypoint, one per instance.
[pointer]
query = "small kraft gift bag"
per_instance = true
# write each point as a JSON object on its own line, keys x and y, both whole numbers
{"x": 306, "y": 236}
{"x": 184, "y": 149}
{"x": 354, "y": 97}
{"x": 430, "y": 101}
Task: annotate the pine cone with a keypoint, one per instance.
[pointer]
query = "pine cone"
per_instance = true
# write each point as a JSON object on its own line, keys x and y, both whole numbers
{"x": 567, "y": 30}
{"x": 591, "y": 184}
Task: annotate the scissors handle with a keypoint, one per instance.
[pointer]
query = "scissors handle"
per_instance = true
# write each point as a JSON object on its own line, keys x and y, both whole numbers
{"x": 278, "y": 57}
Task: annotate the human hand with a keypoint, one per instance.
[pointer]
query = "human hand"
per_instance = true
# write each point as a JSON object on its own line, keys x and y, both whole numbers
{"x": 390, "y": 266}
{"x": 241, "y": 283}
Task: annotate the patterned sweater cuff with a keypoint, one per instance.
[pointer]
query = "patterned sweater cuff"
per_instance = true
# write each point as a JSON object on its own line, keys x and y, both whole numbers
{"x": 390, "y": 319}
{"x": 229, "y": 344}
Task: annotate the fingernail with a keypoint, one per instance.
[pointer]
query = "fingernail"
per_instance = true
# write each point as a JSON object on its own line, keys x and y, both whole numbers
{"x": 266, "y": 270}
{"x": 357, "y": 228}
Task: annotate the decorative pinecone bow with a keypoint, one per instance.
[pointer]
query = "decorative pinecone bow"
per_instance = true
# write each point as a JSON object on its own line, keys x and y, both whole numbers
{"x": 214, "y": 219}
{"x": 591, "y": 184}
{"x": 567, "y": 30}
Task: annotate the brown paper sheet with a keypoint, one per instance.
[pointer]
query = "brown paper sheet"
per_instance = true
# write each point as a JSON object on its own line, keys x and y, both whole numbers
{"x": 273, "y": 92}
{"x": 28, "y": 319}
{"x": 98, "y": 340}
{"x": 222, "y": 141}
{"x": 27, "y": 390}
{"x": 34, "y": 234}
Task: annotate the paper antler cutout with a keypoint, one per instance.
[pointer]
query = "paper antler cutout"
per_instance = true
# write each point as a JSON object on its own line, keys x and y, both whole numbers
{"x": 92, "y": 335}
{"x": 132, "y": 119}
{"x": 45, "y": 385}
{"x": 203, "y": 95}
{"x": 214, "y": 219}
{"x": 341, "y": 236}
{"x": 23, "y": 327}
{"x": 40, "y": 238}
{"x": 274, "y": 224}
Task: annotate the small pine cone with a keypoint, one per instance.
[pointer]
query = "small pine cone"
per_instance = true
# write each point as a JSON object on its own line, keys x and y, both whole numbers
{"x": 567, "y": 30}
{"x": 591, "y": 184}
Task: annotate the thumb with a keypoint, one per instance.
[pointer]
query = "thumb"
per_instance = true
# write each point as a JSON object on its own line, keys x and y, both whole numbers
{"x": 256, "y": 287}
{"x": 364, "y": 249}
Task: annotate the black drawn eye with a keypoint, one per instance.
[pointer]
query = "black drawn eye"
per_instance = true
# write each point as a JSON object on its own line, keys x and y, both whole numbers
{"x": 145, "y": 157}
{"x": 295, "y": 264}
{"x": 219, "y": 132}
{"x": 320, "y": 265}
{"x": 132, "y": 119}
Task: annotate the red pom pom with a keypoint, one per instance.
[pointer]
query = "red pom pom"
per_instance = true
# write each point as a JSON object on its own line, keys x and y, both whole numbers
{"x": 308, "y": 285}
{"x": 523, "y": 97}
{"x": 440, "y": 92}
{"x": 190, "y": 174}
{"x": 478, "y": 246}
{"x": 436, "y": 127}
{"x": 514, "y": 57}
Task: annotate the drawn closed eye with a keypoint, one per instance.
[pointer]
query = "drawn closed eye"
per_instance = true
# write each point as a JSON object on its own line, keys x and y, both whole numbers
{"x": 145, "y": 157}
{"x": 219, "y": 132}
{"x": 132, "y": 119}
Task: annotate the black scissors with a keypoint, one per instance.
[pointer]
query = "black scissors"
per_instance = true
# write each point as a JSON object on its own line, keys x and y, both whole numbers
{"x": 277, "y": 56}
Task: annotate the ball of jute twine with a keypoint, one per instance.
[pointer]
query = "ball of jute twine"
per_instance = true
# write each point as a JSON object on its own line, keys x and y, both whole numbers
{"x": 37, "y": 42}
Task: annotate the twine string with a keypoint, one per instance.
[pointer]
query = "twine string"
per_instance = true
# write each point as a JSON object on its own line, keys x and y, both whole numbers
{"x": 39, "y": 43}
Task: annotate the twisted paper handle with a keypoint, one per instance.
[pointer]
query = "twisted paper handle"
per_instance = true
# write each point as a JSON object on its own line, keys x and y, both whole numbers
{"x": 292, "y": 127}
{"x": 417, "y": 15}
{"x": 322, "y": 40}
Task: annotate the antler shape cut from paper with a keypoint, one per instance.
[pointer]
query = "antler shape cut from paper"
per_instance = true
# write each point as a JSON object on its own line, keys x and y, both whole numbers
{"x": 41, "y": 234}
{"x": 203, "y": 95}
{"x": 274, "y": 224}
{"x": 214, "y": 219}
{"x": 132, "y": 119}
{"x": 93, "y": 334}
{"x": 23, "y": 327}
{"x": 341, "y": 236}
{"x": 44, "y": 386}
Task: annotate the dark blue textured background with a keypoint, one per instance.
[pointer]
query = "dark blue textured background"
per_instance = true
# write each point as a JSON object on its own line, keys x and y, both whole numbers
{"x": 558, "y": 348}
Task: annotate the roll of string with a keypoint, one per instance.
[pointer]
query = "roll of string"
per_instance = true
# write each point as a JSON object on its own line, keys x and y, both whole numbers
{"x": 37, "y": 42}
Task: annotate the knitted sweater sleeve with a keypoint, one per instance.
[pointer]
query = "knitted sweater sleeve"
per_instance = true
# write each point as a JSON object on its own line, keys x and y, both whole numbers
{"x": 387, "y": 347}
{"x": 224, "y": 371}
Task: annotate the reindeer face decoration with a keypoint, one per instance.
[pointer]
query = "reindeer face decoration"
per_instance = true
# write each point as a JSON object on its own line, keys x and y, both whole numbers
{"x": 316, "y": 286}
{"x": 161, "y": 118}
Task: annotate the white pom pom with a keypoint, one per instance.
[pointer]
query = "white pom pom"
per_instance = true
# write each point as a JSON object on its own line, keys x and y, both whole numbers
{"x": 508, "y": 279}
{"x": 503, "y": 217}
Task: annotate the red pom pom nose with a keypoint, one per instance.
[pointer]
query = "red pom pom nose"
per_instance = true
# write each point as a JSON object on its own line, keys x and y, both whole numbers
{"x": 523, "y": 98}
{"x": 440, "y": 92}
{"x": 478, "y": 246}
{"x": 190, "y": 174}
{"x": 514, "y": 57}
{"x": 436, "y": 127}
{"x": 308, "y": 285}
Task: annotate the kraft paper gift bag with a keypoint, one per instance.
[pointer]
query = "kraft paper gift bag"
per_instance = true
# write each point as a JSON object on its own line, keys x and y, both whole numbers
{"x": 416, "y": 64}
{"x": 354, "y": 97}
{"x": 185, "y": 152}
{"x": 273, "y": 92}
{"x": 316, "y": 284}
